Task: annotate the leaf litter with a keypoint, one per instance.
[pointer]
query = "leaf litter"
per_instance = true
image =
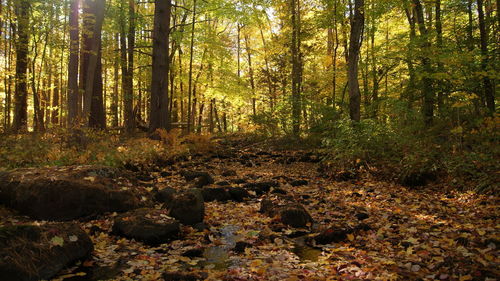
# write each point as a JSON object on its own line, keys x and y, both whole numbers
{"x": 425, "y": 234}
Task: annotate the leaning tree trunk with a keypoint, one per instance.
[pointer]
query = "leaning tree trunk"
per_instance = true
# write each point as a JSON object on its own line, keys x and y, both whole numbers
{"x": 159, "y": 115}
{"x": 354, "y": 47}
{"x": 21, "y": 90}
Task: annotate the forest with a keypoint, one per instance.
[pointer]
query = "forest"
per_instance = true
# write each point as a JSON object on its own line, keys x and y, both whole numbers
{"x": 249, "y": 140}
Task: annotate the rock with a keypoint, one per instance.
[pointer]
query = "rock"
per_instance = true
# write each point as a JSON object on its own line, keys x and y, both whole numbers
{"x": 416, "y": 179}
{"x": 299, "y": 182}
{"x": 223, "y": 183}
{"x": 338, "y": 233}
{"x": 193, "y": 253}
{"x": 345, "y": 176}
{"x": 239, "y": 181}
{"x": 228, "y": 173}
{"x": 289, "y": 212}
{"x": 295, "y": 215}
{"x": 333, "y": 235}
{"x": 150, "y": 226}
{"x": 215, "y": 194}
{"x": 64, "y": 193}
{"x": 261, "y": 187}
{"x": 200, "y": 178}
{"x": 279, "y": 191}
{"x": 30, "y": 252}
{"x": 266, "y": 205}
{"x": 238, "y": 194}
{"x": 165, "y": 195}
{"x": 240, "y": 246}
{"x": 184, "y": 276}
{"x": 362, "y": 216}
{"x": 165, "y": 174}
{"x": 191, "y": 175}
{"x": 188, "y": 207}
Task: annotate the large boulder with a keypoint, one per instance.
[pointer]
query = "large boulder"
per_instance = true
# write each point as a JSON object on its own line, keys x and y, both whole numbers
{"x": 188, "y": 206}
{"x": 150, "y": 226}
{"x": 29, "y": 252}
{"x": 64, "y": 193}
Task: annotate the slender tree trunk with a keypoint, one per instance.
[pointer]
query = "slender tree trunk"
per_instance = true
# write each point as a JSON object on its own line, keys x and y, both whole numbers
{"x": 355, "y": 41}
{"x": 21, "y": 92}
{"x": 488, "y": 92}
{"x": 190, "y": 79}
{"x": 159, "y": 116}
{"x": 127, "y": 58}
{"x": 427, "y": 87}
{"x": 296, "y": 66}
{"x": 439, "y": 44}
{"x": 114, "y": 99}
{"x": 251, "y": 74}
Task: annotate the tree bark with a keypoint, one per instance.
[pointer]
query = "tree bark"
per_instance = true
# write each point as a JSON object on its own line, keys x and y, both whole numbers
{"x": 355, "y": 41}
{"x": 488, "y": 92}
{"x": 159, "y": 115}
{"x": 427, "y": 87}
{"x": 21, "y": 90}
{"x": 296, "y": 66}
{"x": 190, "y": 79}
{"x": 73, "y": 93}
{"x": 127, "y": 63}
{"x": 93, "y": 108}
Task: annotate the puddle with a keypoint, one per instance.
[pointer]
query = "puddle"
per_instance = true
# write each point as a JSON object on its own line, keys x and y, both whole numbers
{"x": 93, "y": 273}
{"x": 303, "y": 251}
{"x": 306, "y": 253}
{"x": 217, "y": 257}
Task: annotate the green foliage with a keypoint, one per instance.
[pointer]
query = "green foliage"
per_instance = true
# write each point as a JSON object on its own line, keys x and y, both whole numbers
{"x": 466, "y": 157}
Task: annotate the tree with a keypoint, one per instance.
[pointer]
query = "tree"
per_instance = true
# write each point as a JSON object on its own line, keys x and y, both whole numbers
{"x": 296, "y": 65}
{"x": 127, "y": 63}
{"x": 91, "y": 65}
{"x": 74, "y": 46}
{"x": 159, "y": 113}
{"x": 488, "y": 91}
{"x": 425, "y": 50}
{"x": 21, "y": 91}
{"x": 355, "y": 41}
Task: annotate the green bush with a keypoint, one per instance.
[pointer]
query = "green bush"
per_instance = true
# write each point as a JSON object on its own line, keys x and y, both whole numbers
{"x": 466, "y": 157}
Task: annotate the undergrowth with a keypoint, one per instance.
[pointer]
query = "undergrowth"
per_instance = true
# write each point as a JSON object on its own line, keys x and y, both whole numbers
{"x": 82, "y": 147}
{"x": 465, "y": 156}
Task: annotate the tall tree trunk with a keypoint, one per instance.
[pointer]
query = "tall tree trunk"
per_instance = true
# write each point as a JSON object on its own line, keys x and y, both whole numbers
{"x": 296, "y": 66}
{"x": 73, "y": 93}
{"x": 159, "y": 116}
{"x": 21, "y": 91}
{"x": 439, "y": 44}
{"x": 114, "y": 99}
{"x": 488, "y": 93}
{"x": 427, "y": 88}
{"x": 190, "y": 79}
{"x": 251, "y": 74}
{"x": 355, "y": 41}
{"x": 127, "y": 59}
{"x": 93, "y": 108}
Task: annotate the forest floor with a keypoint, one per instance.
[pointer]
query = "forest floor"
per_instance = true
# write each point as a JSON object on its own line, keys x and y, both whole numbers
{"x": 413, "y": 234}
